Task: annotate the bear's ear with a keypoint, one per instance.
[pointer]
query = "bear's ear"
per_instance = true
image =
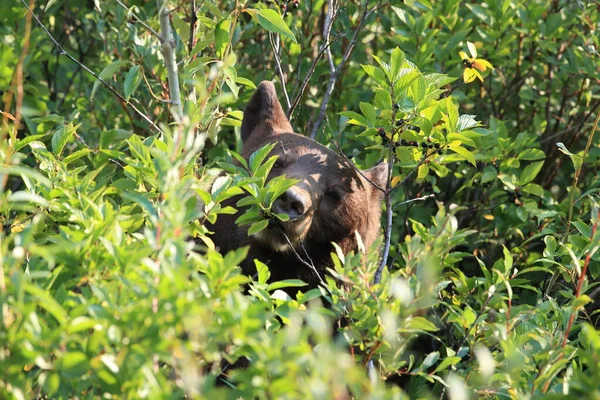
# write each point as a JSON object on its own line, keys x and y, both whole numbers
{"x": 378, "y": 175}
{"x": 264, "y": 112}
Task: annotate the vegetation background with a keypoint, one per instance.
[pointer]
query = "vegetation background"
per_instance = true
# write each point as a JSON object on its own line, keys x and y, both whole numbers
{"x": 488, "y": 286}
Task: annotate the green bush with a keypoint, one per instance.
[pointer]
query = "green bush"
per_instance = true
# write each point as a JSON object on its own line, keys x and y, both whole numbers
{"x": 485, "y": 283}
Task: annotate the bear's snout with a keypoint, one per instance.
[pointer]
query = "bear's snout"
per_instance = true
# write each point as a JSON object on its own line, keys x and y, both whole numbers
{"x": 294, "y": 203}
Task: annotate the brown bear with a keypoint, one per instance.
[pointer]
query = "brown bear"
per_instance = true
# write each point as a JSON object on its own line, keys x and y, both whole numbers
{"x": 331, "y": 202}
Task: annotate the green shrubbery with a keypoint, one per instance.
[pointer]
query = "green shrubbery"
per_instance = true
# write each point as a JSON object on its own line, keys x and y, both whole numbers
{"x": 110, "y": 286}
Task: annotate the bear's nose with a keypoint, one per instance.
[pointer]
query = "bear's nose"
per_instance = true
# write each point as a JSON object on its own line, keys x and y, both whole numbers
{"x": 291, "y": 203}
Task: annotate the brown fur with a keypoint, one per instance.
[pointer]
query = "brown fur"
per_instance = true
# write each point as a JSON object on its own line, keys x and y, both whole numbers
{"x": 335, "y": 200}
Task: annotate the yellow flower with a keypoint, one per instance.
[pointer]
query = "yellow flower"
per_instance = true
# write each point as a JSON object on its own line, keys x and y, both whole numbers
{"x": 472, "y": 64}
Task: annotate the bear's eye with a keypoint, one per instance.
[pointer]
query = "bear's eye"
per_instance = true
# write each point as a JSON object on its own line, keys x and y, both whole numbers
{"x": 279, "y": 164}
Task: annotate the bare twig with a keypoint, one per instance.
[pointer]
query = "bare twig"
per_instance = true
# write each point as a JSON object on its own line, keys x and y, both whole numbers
{"x": 139, "y": 20}
{"x": 311, "y": 266}
{"x": 355, "y": 167}
{"x": 409, "y": 201}
{"x": 193, "y": 20}
{"x": 329, "y": 17}
{"x": 168, "y": 51}
{"x": 389, "y": 211}
{"x": 89, "y": 71}
{"x": 366, "y": 12}
{"x": 298, "y": 97}
{"x": 276, "y": 46}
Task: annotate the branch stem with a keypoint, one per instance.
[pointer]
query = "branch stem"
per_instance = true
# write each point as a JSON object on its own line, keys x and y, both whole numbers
{"x": 168, "y": 51}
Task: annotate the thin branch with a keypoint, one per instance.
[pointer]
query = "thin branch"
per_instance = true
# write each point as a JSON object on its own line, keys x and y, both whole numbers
{"x": 311, "y": 266}
{"x": 337, "y": 70}
{"x": 168, "y": 51}
{"x": 412, "y": 171}
{"x": 423, "y": 198}
{"x": 329, "y": 18}
{"x": 355, "y": 167}
{"x": 193, "y": 20}
{"x": 89, "y": 71}
{"x": 139, "y": 20}
{"x": 389, "y": 211}
{"x": 309, "y": 74}
{"x": 276, "y": 46}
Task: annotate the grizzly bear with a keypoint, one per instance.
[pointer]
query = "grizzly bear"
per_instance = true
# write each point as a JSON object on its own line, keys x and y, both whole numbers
{"x": 331, "y": 202}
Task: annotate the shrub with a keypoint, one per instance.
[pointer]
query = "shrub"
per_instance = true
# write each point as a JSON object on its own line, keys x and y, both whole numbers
{"x": 111, "y": 163}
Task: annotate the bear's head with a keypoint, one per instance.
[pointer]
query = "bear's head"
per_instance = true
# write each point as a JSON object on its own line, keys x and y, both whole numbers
{"x": 332, "y": 201}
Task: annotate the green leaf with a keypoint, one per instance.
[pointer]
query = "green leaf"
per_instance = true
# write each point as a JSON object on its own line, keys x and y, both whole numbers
{"x": 396, "y": 61}
{"x": 107, "y": 73}
{"x": 73, "y": 364}
{"x": 534, "y": 189}
{"x": 285, "y": 283}
{"x": 247, "y": 217}
{"x": 575, "y": 158}
{"x": 257, "y": 227}
{"x": 138, "y": 149}
{"x": 489, "y": 174}
{"x": 447, "y": 362}
{"x": 452, "y": 110}
{"x": 222, "y": 36}
{"x": 132, "y": 81}
{"x": 383, "y": 100}
{"x": 51, "y": 383}
{"x": 369, "y": 112}
{"x": 28, "y": 197}
{"x": 531, "y": 155}
{"x": 421, "y": 324}
{"x": 466, "y": 154}
{"x": 272, "y": 21}
{"x": 508, "y": 260}
{"x": 583, "y": 228}
{"x": 259, "y": 155}
{"x": 47, "y": 302}
{"x": 262, "y": 270}
{"x": 61, "y": 137}
{"x": 181, "y": 27}
{"x": 375, "y": 73}
{"x": 430, "y": 360}
{"x": 245, "y": 82}
{"x": 355, "y": 118}
{"x": 141, "y": 200}
{"x": 76, "y": 155}
{"x": 530, "y": 172}
{"x": 26, "y": 140}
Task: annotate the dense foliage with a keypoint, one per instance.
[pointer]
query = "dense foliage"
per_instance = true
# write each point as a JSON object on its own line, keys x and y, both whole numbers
{"x": 111, "y": 288}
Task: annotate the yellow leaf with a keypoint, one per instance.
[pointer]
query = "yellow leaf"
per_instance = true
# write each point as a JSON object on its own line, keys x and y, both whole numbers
{"x": 481, "y": 64}
{"x": 478, "y": 64}
{"x": 422, "y": 171}
{"x": 489, "y": 217}
{"x": 478, "y": 75}
{"x": 469, "y": 75}
{"x": 395, "y": 181}
{"x": 487, "y": 64}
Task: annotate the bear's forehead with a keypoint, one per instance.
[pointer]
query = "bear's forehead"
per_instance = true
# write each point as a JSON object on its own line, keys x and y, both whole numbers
{"x": 314, "y": 158}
